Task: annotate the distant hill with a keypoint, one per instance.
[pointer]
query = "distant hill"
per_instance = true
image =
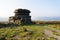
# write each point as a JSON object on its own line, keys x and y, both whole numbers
{"x": 38, "y": 18}
{"x": 3, "y": 19}
{"x": 47, "y": 18}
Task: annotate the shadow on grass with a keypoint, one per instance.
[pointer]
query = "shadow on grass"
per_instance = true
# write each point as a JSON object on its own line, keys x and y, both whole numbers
{"x": 35, "y": 25}
{"x": 16, "y": 25}
{"x": 8, "y": 25}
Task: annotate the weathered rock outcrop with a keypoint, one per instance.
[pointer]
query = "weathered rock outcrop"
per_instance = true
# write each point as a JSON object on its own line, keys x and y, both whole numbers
{"x": 21, "y": 17}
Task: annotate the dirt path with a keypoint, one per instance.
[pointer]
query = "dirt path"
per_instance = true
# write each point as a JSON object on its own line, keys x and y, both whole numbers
{"x": 53, "y": 29}
{"x": 50, "y": 34}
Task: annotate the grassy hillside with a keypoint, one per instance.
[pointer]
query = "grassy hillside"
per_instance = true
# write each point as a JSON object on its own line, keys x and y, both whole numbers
{"x": 31, "y": 32}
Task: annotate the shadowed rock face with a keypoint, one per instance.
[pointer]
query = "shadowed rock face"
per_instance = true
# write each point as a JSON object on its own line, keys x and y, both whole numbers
{"x": 21, "y": 15}
{"x": 21, "y": 11}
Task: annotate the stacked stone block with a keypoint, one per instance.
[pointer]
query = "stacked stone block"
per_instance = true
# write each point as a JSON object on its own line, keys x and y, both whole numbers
{"x": 21, "y": 17}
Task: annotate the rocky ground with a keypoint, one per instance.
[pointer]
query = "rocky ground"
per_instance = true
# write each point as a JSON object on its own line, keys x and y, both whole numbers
{"x": 31, "y": 32}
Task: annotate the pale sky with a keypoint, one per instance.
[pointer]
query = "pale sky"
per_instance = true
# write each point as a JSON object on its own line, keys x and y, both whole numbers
{"x": 38, "y": 8}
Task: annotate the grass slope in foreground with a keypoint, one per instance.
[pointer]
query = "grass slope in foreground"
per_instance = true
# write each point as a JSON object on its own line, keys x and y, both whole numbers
{"x": 30, "y": 32}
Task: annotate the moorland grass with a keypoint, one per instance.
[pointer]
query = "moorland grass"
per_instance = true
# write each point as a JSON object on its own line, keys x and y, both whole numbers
{"x": 25, "y": 32}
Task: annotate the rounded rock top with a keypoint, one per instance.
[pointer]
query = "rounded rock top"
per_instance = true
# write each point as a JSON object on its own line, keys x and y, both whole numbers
{"x": 22, "y": 11}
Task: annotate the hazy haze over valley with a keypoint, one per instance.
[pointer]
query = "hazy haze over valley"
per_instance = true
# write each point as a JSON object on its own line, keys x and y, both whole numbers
{"x": 3, "y": 19}
{"x": 38, "y": 18}
{"x": 47, "y": 18}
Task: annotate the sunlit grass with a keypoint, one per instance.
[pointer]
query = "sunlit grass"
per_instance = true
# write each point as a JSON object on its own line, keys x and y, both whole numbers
{"x": 34, "y": 32}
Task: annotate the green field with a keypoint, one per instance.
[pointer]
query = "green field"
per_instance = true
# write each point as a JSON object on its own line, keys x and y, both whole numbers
{"x": 31, "y": 32}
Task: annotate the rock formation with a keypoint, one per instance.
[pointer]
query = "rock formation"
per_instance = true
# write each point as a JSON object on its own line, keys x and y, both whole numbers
{"x": 21, "y": 17}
